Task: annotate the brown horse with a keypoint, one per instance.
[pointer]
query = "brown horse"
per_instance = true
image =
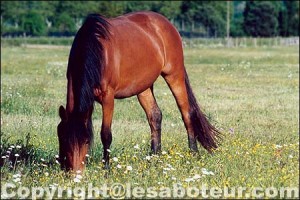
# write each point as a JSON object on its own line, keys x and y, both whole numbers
{"x": 118, "y": 58}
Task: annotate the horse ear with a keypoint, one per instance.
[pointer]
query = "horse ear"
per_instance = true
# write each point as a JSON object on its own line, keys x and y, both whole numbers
{"x": 62, "y": 113}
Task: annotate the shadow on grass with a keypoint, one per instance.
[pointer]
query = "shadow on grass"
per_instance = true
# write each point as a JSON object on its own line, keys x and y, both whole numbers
{"x": 22, "y": 151}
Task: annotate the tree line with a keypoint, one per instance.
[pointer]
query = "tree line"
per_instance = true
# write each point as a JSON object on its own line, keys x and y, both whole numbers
{"x": 192, "y": 18}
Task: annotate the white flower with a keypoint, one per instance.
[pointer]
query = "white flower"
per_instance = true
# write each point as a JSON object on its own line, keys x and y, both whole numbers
{"x": 18, "y": 147}
{"x": 196, "y": 176}
{"x": 77, "y": 180}
{"x": 291, "y": 156}
{"x": 115, "y": 159}
{"x": 173, "y": 178}
{"x": 12, "y": 146}
{"x": 56, "y": 156}
{"x": 46, "y": 174}
{"x": 17, "y": 155}
{"x": 17, "y": 180}
{"x": 87, "y": 155}
{"x": 188, "y": 179}
{"x": 16, "y": 175}
{"x": 119, "y": 166}
{"x": 277, "y": 146}
{"x": 163, "y": 152}
{"x": 206, "y": 172}
{"x": 108, "y": 150}
{"x": 136, "y": 146}
{"x": 128, "y": 168}
{"x": 78, "y": 171}
{"x": 42, "y": 159}
{"x": 148, "y": 157}
{"x": 3, "y": 157}
{"x": 78, "y": 176}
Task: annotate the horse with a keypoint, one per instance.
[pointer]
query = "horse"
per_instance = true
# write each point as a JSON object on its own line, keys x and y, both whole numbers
{"x": 116, "y": 58}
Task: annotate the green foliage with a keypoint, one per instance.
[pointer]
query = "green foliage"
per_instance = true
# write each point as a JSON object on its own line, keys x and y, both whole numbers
{"x": 65, "y": 24}
{"x": 255, "y": 18}
{"x": 33, "y": 24}
{"x": 260, "y": 19}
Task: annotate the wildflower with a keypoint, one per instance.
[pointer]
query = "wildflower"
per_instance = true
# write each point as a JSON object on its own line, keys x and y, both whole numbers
{"x": 119, "y": 166}
{"x": 46, "y": 174}
{"x": 196, "y": 176}
{"x": 8, "y": 152}
{"x": 78, "y": 176}
{"x": 128, "y": 168}
{"x": 17, "y": 180}
{"x": 115, "y": 159}
{"x": 12, "y": 146}
{"x": 17, "y": 155}
{"x": 87, "y": 155}
{"x": 278, "y": 146}
{"x": 206, "y": 172}
{"x": 188, "y": 180}
{"x": 18, "y": 147}
{"x": 16, "y": 175}
{"x": 42, "y": 159}
{"x": 290, "y": 156}
{"x": 173, "y": 178}
{"x": 136, "y": 146}
{"x": 3, "y": 157}
{"x": 76, "y": 180}
{"x": 108, "y": 150}
{"x": 78, "y": 171}
{"x": 148, "y": 157}
{"x": 56, "y": 156}
{"x": 163, "y": 152}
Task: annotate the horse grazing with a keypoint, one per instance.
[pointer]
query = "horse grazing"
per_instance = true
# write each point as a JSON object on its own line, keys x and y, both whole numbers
{"x": 118, "y": 58}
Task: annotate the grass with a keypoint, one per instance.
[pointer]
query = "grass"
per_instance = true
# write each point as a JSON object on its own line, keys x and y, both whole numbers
{"x": 251, "y": 94}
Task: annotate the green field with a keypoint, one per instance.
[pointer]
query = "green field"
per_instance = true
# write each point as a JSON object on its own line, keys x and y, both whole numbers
{"x": 250, "y": 94}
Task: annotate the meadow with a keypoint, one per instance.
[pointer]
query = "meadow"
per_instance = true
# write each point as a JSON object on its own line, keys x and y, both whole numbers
{"x": 250, "y": 94}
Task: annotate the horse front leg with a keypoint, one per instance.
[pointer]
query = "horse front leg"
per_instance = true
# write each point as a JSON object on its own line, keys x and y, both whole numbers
{"x": 106, "y": 136}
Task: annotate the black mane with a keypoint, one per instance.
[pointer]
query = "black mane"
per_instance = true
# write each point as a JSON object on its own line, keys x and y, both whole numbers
{"x": 86, "y": 61}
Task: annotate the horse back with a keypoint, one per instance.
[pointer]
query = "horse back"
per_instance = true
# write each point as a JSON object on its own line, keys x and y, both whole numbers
{"x": 138, "y": 51}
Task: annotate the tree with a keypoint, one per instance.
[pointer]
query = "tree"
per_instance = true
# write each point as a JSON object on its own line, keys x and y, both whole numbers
{"x": 260, "y": 19}
{"x": 292, "y": 8}
{"x": 33, "y": 24}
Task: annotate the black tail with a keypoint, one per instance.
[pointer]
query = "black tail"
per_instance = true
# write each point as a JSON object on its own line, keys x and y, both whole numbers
{"x": 205, "y": 133}
{"x": 86, "y": 60}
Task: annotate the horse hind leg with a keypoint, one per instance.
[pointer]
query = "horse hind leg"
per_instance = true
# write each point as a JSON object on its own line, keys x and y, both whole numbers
{"x": 154, "y": 116}
{"x": 196, "y": 123}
